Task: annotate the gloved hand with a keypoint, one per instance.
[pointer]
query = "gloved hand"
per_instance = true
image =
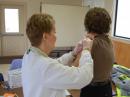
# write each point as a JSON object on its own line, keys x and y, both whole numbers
{"x": 87, "y": 43}
{"x": 78, "y": 48}
{"x": 90, "y": 35}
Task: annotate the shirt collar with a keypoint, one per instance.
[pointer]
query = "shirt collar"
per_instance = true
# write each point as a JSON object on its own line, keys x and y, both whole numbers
{"x": 35, "y": 49}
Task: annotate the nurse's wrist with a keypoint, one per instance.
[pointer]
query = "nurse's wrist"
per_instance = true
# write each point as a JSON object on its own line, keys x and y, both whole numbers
{"x": 73, "y": 54}
{"x": 88, "y": 49}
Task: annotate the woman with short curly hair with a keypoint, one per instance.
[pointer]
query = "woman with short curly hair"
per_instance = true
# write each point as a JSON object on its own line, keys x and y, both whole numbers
{"x": 97, "y": 24}
{"x": 43, "y": 76}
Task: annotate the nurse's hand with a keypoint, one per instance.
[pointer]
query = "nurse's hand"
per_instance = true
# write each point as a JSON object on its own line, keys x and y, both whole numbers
{"x": 89, "y": 35}
{"x": 78, "y": 48}
{"x": 87, "y": 43}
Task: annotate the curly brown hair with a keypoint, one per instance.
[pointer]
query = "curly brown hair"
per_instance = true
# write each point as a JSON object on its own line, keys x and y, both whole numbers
{"x": 37, "y": 25}
{"x": 97, "y": 20}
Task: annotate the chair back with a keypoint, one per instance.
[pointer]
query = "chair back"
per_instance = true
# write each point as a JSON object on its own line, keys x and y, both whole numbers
{"x": 1, "y": 77}
{"x": 16, "y": 64}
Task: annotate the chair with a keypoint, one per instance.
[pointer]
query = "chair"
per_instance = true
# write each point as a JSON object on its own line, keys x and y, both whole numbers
{"x": 1, "y": 77}
{"x": 16, "y": 64}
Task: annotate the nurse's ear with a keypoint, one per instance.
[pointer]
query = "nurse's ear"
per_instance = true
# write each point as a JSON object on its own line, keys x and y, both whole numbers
{"x": 44, "y": 36}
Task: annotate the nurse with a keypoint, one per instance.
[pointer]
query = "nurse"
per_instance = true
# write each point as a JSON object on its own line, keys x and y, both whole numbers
{"x": 43, "y": 76}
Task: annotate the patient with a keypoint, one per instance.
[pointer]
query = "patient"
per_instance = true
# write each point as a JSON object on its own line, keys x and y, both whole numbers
{"x": 43, "y": 76}
{"x": 97, "y": 24}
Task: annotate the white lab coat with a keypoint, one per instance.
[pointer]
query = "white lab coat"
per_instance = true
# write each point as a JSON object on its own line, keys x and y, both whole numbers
{"x": 46, "y": 77}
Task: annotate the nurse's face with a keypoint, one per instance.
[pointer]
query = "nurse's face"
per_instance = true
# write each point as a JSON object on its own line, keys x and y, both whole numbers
{"x": 51, "y": 39}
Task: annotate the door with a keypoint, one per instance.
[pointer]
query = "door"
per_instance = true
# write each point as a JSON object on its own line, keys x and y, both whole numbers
{"x": 13, "y": 40}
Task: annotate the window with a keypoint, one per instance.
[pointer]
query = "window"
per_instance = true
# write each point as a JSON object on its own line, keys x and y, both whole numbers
{"x": 122, "y": 19}
{"x": 11, "y": 20}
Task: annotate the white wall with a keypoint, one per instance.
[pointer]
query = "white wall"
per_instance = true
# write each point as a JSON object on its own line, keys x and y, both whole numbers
{"x": 33, "y": 6}
{"x": 69, "y": 22}
{"x": 63, "y": 2}
{"x": 109, "y": 5}
{"x": 93, "y": 3}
